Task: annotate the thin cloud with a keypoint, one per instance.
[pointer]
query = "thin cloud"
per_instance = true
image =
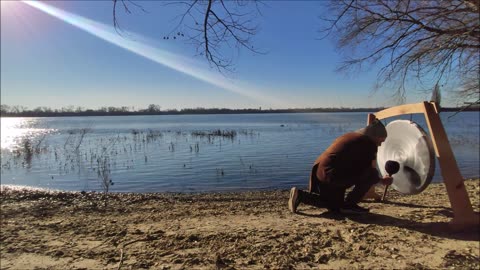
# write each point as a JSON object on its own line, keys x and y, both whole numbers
{"x": 171, "y": 60}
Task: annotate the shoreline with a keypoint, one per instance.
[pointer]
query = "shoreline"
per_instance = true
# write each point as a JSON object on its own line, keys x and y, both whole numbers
{"x": 229, "y": 230}
{"x": 215, "y": 111}
{"x": 233, "y": 191}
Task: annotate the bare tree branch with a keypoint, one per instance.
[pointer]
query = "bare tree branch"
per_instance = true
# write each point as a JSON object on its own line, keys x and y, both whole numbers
{"x": 411, "y": 40}
{"x": 217, "y": 28}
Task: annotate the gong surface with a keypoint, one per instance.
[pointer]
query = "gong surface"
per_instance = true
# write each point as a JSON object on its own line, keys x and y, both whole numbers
{"x": 408, "y": 144}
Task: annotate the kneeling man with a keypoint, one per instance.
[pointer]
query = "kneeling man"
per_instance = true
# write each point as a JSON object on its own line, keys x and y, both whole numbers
{"x": 349, "y": 162}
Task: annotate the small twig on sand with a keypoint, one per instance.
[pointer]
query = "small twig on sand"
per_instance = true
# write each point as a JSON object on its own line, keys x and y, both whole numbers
{"x": 121, "y": 259}
{"x": 122, "y": 246}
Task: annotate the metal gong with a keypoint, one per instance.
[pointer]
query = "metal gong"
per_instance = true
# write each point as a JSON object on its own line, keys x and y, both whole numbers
{"x": 408, "y": 144}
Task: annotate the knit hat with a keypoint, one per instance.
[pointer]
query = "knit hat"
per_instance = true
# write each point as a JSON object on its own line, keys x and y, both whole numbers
{"x": 376, "y": 130}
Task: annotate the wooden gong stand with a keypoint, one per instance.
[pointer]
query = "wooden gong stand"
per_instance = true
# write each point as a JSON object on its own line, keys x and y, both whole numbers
{"x": 463, "y": 214}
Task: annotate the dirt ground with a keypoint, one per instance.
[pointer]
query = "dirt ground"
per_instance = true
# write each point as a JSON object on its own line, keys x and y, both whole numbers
{"x": 248, "y": 230}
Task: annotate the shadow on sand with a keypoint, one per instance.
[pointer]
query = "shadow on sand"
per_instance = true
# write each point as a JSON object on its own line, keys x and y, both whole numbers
{"x": 440, "y": 229}
{"x": 409, "y": 205}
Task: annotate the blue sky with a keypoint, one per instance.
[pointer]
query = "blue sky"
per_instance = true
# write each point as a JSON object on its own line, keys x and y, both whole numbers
{"x": 46, "y": 61}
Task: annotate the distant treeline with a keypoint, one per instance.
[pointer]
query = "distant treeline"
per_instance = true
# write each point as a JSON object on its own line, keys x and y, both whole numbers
{"x": 153, "y": 109}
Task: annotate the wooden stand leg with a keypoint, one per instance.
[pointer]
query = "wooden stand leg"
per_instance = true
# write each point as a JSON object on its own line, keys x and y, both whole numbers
{"x": 463, "y": 214}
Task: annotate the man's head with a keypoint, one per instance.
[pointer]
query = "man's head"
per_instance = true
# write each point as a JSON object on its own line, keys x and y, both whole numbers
{"x": 376, "y": 130}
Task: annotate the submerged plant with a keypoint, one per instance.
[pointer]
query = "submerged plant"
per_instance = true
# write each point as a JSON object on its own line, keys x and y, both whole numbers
{"x": 103, "y": 171}
{"x": 83, "y": 132}
{"x": 230, "y": 134}
{"x": 27, "y": 150}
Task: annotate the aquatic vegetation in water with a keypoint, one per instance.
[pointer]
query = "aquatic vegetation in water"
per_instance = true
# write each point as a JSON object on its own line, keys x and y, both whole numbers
{"x": 463, "y": 140}
{"x": 230, "y": 134}
{"x": 104, "y": 171}
{"x": 90, "y": 155}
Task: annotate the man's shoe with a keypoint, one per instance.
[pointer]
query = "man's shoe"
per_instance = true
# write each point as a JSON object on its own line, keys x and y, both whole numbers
{"x": 335, "y": 210}
{"x": 294, "y": 200}
{"x": 354, "y": 209}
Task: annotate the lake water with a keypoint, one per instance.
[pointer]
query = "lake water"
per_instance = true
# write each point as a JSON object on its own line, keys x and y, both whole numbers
{"x": 191, "y": 153}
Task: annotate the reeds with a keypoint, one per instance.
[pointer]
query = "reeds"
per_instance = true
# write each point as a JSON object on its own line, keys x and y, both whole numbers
{"x": 104, "y": 171}
{"x": 83, "y": 152}
{"x": 229, "y": 134}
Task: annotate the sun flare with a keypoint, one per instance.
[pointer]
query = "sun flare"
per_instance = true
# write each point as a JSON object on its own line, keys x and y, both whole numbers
{"x": 4, "y": 3}
{"x": 166, "y": 58}
{"x": 7, "y": 5}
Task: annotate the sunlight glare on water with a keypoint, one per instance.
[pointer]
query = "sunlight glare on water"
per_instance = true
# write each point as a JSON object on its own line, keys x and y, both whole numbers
{"x": 14, "y": 130}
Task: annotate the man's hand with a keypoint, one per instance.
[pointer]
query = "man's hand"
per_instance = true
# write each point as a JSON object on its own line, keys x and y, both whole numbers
{"x": 387, "y": 180}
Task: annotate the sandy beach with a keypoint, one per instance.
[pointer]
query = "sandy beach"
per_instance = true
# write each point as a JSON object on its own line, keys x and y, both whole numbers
{"x": 244, "y": 230}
